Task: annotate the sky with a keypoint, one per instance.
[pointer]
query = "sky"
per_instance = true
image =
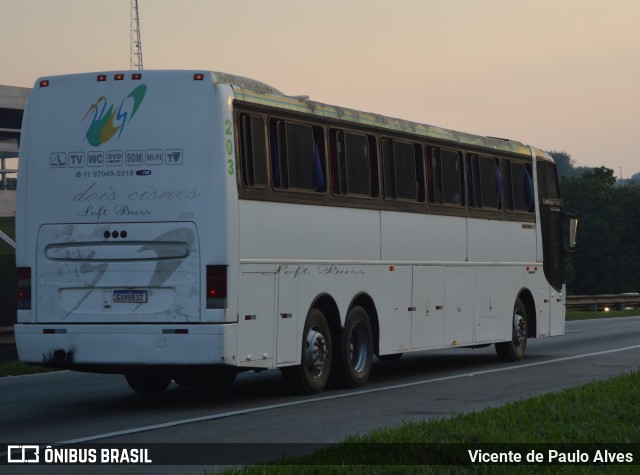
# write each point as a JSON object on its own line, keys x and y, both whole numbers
{"x": 563, "y": 75}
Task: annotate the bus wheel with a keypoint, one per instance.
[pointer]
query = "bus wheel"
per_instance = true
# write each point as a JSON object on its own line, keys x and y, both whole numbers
{"x": 356, "y": 350}
{"x": 311, "y": 375}
{"x": 148, "y": 382}
{"x": 514, "y": 350}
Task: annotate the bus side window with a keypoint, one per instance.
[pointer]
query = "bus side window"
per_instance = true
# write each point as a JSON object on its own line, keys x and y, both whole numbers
{"x": 484, "y": 182}
{"x": 253, "y": 157}
{"x": 403, "y": 173}
{"x": 447, "y": 177}
{"x": 434, "y": 175}
{"x": 547, "y": 181}
{"x": 452, "y": 177}
{"x": 337, "y": 163}
{"x": 276, "y": 160}
{"x": 297, "y": 156}
{"x": 518, "y": 187}
{"x": 351, "y": 164}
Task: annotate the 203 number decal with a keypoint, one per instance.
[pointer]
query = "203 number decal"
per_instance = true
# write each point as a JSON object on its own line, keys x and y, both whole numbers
{"x": 229, "y": 146}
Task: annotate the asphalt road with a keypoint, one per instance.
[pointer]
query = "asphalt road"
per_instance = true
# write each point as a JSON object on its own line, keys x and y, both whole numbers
{"x": 68, "y": 407}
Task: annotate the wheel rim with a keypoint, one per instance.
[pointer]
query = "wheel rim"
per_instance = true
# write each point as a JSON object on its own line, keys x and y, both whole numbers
{"x": 316, "y": 352}
{"x": 519, "y": 330}
{"x": 358, "y": 348}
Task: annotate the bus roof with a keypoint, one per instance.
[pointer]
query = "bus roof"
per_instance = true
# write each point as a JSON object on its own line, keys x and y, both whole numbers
{"x": 250, "y": 90}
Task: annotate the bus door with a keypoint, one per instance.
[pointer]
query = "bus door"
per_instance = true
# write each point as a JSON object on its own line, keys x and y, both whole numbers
{"x": 460, "y": 284}
{"x": 256, "y": 317}
{"x": 401, "y": 331}
{"x": 427, "y": 319}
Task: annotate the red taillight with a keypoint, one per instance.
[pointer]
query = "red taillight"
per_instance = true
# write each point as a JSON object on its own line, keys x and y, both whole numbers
{"x": 24, "y": 288}
{"x": 216, "y": 287}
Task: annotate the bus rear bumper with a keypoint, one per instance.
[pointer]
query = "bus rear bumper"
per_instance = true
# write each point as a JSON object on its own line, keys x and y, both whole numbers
{"x": 84, "y": 345}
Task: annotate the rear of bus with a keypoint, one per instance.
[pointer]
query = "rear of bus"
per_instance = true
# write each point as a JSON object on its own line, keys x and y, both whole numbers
{"x": 122, "y": 202}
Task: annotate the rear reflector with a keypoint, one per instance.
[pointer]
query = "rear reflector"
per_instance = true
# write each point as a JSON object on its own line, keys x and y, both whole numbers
{"x": 24, "y": 288}
{"x": 216, "y": 287}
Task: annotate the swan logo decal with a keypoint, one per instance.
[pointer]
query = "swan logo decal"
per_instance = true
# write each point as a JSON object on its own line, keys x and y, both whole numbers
{"x": 106, "y": 123}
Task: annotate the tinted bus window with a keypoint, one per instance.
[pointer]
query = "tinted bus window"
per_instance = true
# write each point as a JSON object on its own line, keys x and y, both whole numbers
{"x": 351, "y": 164}
{"x": 253, "y": 157}
{"x": 296, "y": 158}
{"x": 518, "y": 186}
{"x": 485, "y": 182}
{"x": 445, "y": 177}
{"x": 402, "y": 171}
{"x": 547, "y": 181}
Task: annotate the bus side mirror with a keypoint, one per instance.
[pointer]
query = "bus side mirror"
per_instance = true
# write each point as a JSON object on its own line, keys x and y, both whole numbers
{"x": 573, "y": 233}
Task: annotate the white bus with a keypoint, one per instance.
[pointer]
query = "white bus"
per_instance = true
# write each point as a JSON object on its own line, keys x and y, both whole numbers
{"x": 184, "y": 225}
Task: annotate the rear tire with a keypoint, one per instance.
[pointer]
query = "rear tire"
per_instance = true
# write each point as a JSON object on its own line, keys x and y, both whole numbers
{"x": 310, "y": 377}
{"x": 514, "y": 350}
{"x": 355, "y": 355}
{"x": 148, "y": 382}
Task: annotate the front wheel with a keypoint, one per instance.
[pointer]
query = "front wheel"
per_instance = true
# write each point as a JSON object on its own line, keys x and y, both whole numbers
{"x": 311, "y": 375}
{"x": 514, "y": 350}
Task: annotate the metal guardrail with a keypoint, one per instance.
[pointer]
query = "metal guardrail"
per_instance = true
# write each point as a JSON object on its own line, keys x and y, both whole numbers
{"x": 602, "y": 301}
{"x": 7, "y": 239}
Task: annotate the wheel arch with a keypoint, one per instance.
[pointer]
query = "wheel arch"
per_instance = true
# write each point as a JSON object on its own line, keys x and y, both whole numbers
{"x": 532, "y": 317}
{"x": 327, "y": 305}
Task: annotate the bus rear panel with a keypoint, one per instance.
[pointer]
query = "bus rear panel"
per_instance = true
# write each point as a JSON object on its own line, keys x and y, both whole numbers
{"x": 121, "y": 183}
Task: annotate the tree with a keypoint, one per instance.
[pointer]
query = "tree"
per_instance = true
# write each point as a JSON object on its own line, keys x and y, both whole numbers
{"x": 564, "y": 163}
{"x": 608, "y": 252}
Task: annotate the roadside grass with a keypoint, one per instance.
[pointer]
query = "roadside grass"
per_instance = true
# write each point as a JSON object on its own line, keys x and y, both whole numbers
{"x": 15, "y": 368}
{"x": 596, "y": 414}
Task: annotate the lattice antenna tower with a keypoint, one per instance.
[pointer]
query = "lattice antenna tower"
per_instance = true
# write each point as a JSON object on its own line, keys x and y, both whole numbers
{"x": 135, "y": 57}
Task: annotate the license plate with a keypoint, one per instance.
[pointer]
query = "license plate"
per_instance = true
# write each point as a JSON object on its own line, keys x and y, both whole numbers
{"x": 129, "y": 296}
